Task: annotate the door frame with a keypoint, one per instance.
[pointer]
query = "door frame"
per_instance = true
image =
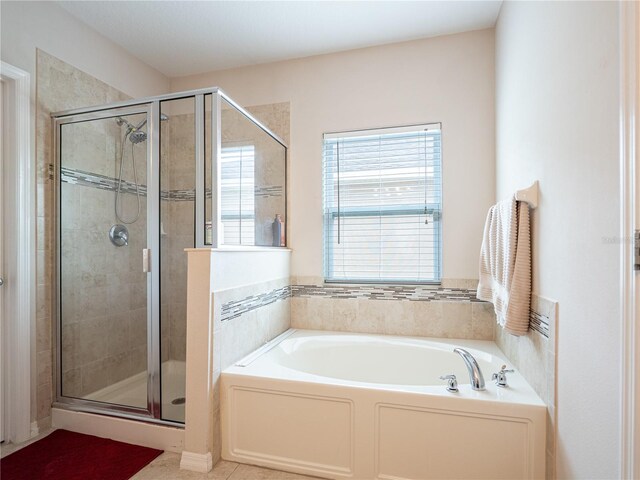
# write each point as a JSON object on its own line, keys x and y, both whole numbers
{"x": 19, "y": 239}
{"x": 629, "y": 222}
{"x": 151, "y": 412}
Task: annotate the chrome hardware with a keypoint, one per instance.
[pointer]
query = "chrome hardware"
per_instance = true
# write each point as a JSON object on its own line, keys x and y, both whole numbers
{"x": 475, "y": 374}
{"x": 1, "y": 281}
{"x": 636, "y": 249}
{"x": 452, "y": 382}
{"x": 501, "y": 377}
{"x": 119, "y": 235}
{"x": 146, "y": 260}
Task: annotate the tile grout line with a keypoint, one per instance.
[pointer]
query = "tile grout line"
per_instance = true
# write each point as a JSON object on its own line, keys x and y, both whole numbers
{"x": 232, "y": 471}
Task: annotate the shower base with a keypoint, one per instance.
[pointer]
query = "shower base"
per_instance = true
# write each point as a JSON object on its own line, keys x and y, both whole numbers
{"x": 132, "y": 391}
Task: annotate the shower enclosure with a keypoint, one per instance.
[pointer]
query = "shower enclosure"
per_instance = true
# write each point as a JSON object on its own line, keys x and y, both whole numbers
{"x": 137, "y": 182}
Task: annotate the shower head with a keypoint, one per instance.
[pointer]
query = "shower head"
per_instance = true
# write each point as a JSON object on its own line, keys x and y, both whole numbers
{"x": 137, "y": 136}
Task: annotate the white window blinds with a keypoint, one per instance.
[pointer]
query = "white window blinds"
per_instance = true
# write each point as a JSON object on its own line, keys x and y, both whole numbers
{"x": 237, "y": 194}
{"x": 382, "y": 205}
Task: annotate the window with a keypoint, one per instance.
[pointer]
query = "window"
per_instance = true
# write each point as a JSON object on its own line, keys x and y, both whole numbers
{"x": 237, "y": 194}
{"x": 382, "y": 205}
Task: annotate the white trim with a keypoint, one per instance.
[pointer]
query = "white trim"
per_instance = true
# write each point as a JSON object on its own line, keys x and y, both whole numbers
{"x": 149, "y": 435}
{"x": 630, "y": 381}
{"x": 196, "y": 462}
{"x": 20, "y": 294}
{"x": 35, "y": 429}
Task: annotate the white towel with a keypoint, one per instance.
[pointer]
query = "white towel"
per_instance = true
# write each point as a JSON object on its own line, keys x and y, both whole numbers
{"x": 505, "y": 265}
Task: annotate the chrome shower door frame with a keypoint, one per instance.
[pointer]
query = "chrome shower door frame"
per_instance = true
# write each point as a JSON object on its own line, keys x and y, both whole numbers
{"x": 153, "y": 411}
{"x": 211, "y": 157}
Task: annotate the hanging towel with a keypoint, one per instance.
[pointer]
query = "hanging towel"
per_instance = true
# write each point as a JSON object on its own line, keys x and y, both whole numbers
{"x": 505, "y": 265}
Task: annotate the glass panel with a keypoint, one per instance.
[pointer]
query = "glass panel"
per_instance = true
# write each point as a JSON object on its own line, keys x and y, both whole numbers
{"x": 252, "y": 184}
{"x": 177, "y": 217}
{"x": 103, "y": 229}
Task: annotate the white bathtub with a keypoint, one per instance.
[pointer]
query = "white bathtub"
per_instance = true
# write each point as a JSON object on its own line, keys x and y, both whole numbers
{"x": 340, "y": 405}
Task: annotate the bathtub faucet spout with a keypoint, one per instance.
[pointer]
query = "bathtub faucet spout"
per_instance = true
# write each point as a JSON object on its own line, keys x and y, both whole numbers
{"x": 475, "y": 374}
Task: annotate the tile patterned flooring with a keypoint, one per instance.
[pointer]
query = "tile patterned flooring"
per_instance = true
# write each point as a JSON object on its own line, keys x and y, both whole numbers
{"x": 167, "y": 467}
{"x": 9, "y": 448}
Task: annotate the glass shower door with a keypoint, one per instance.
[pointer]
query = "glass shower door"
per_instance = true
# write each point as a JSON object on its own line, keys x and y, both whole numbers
{"x": 104, "y": 296}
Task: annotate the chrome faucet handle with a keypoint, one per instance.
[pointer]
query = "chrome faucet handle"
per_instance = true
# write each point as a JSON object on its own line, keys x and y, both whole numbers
{"x": 452, "y": 382}
{"x": 501, "y": 376}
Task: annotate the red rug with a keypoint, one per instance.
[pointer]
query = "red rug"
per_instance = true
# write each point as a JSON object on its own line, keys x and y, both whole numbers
{"x": 65, "y": 455}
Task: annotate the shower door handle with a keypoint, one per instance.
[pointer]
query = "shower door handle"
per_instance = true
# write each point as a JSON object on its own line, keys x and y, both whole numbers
{"x": 146, "y": 260}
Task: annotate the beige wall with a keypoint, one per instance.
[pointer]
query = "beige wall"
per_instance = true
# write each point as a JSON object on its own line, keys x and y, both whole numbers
{"x": 557, "y": 122}
{"x": 30, "y": 25}
{"x": 447, "y": 79}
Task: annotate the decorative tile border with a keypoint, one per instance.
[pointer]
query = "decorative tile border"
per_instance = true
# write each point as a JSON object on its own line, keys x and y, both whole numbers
{"x": 179, "y": 195}
{"x": 234, "y": 309}
{"x": 102, "y": 182}
{"x": 539, "y": 323}
{"x": 387, "y": 292}
{"x": 268, "y": 191}
{"x": 542, "y": 315}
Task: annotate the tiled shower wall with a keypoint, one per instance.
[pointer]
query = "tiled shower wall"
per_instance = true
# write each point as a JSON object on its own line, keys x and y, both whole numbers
{"x": 104, "y": 300}
{"x": 177, "y": 177}
{"x": 59, "y": 86}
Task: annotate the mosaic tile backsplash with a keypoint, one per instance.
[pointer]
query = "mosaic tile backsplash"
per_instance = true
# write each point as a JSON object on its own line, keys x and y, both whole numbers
{"x": 386, "y": 292}
{"x": 539, "y": 322}
{"x": 236, "y": 308}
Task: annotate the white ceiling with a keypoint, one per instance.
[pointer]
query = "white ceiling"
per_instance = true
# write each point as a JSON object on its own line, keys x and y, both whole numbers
{"x": 187, "y": 37}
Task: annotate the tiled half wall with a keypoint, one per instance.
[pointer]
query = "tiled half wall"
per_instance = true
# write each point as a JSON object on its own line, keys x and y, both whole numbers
{"x": 534, "y": 355}
{"x": 399, "y": 310}
{"x": 452, "y": 301}
{"x": 396, "y": 310}
{"x": 245, "y": 318}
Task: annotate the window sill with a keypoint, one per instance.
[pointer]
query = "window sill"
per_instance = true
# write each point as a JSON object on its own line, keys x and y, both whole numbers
{"x": 239, "y": 248}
